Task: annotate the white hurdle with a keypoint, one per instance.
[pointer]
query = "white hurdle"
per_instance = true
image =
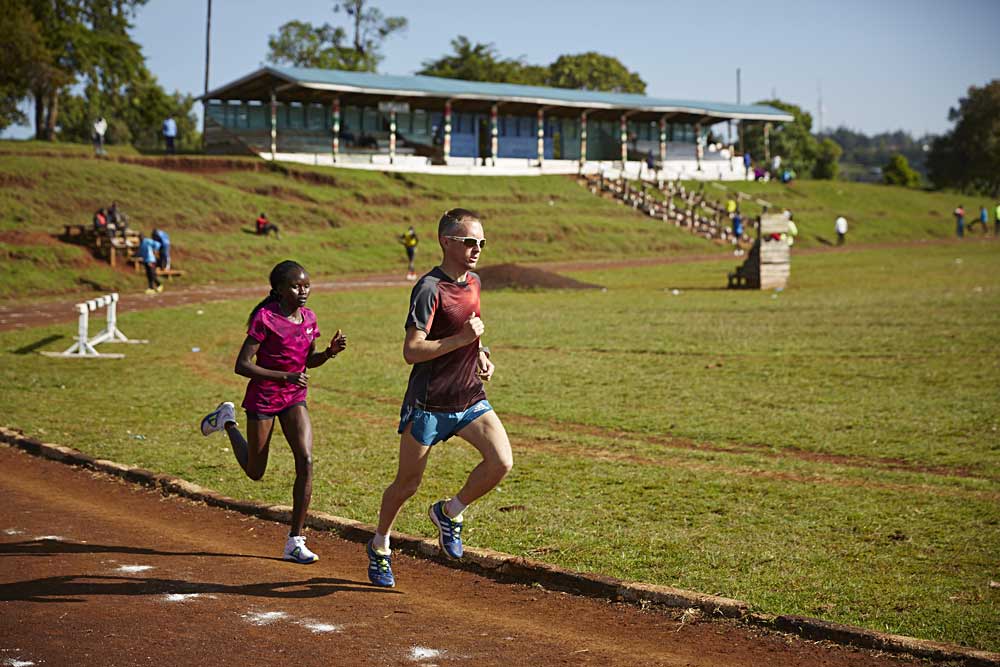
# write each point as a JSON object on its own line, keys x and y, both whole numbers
{"x": 84, "y": 347}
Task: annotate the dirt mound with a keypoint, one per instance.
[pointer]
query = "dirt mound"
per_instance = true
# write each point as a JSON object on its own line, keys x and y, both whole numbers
{"x": 515, "y": 276}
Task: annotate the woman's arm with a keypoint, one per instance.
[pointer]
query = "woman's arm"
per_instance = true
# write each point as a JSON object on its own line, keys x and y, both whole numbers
{"x": 246, "y": 366}
{"x": 337, "y": 345}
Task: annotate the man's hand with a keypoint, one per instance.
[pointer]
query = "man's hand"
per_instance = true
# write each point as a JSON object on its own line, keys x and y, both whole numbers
{"x": 472, "y": 329}
{"x": 484, "y": 367}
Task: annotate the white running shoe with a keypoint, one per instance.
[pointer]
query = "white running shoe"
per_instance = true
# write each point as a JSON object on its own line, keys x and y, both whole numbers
{"x": 217, "y": 419}
{"x": 297, "y": 551}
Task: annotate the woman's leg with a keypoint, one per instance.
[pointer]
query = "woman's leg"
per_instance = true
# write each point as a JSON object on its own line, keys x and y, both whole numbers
{"x": 297, "y": 427}
{"x": 252, "y": 457}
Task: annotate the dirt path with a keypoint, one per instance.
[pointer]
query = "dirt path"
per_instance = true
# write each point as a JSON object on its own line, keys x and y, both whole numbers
{"x": 22, "y": 314}
{"x": 100, "y": 572}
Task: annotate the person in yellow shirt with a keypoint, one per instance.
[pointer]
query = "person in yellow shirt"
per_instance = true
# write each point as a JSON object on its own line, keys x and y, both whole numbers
{"x": 409, "y": 241}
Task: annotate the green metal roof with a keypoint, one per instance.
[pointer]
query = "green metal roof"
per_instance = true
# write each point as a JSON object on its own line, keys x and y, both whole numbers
{"x": 283, "y": 79}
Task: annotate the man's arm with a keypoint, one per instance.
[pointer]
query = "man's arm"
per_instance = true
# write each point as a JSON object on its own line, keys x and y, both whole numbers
{"x": 417, "y": 349}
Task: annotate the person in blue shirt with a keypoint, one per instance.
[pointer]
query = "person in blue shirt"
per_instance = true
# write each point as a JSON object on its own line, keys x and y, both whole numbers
{"x": 147, "y": 253}
{"x": 170, "y": 133}
{"x": 747, "y": 162}
{"x": 163, "y": 239}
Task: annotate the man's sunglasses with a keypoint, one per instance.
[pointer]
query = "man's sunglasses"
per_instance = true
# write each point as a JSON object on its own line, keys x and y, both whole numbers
{"x": 469, "y": 241}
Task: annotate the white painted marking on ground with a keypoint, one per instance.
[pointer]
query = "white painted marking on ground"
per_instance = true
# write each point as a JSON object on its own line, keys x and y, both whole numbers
{"x": 180, "y": 597}
{"x": 418, "y": 653}
{"x": 134, "y": 568}
{"x": 318, "y": 627}
{"x": 14, "y": 662}
{"x": 52, "y": 538}
{"x": 13, "y": 531}
{"x": 264, "y": 617}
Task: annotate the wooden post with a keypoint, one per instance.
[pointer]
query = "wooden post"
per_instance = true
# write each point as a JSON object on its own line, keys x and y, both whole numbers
{"x": 623, "y": 137}
{"x": 494, "y": 134}
{"x": 541, "y": 136}
{"x": 447, "y": 131}
{"x": 583, "y": 140}
{"x": 392, "y": 137}
{"x": 336, "y": 129}
{"x": 274, "y": 125}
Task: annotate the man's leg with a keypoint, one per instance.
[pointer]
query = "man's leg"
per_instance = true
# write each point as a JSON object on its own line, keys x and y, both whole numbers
{"x": 412, "y": 462}
{"x": 489, "y": 437}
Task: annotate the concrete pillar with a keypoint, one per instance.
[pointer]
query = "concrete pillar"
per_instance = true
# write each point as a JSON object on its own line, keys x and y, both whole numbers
{"x": 767, "y": 144}
{"x": 274, "y": 125}
{"x": 583, "y": 140}
{"x": 494, "y": 134}
{"x": 623, "y": 138}
{"x": 663, "y": 140}
{"x": 447, "y": 131}
{"x": 392, "y": 137}
{"x": 336, "y": 129}
{"x": 541, "y": 136}
{"x": 699, "y": 148}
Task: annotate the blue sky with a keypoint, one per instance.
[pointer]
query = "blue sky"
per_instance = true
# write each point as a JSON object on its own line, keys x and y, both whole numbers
{"x": 882, "y": 64}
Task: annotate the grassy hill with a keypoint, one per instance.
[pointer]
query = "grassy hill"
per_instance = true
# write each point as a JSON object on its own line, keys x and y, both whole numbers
{"x": 344, "y": 221}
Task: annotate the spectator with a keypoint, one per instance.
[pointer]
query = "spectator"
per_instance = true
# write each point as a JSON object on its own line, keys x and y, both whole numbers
{"x": 984, "y": 219}
{"x": 101, "y": 222}
{"x": 730, "y": 206}
{"x": 409, "y": 241}
{"x": 650, "y": 161}
{"x": 841, "y": 227}
{"x": 793, "y": 231}
{"x": 100, "y": 127}
{"x": 163, "y": 239}
{"x": 117, "y": 220}
{"x": 170, "y": 133}
{"x": 265, "y": 227}
{"x": 959, "y": 221}
{"x": 996, "y": 221}
{"x": 737, "y": 231}
{"x": 147, "y": 253}
{"x": 747, "y": 162}
{"x": 776, "y": 165}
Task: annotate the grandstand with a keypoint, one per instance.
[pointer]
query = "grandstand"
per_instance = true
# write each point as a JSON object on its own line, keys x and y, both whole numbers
{"x": 422, "y": 123}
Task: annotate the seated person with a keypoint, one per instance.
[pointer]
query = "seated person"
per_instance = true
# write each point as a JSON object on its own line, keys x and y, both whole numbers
{"x": 101, "y": 222}
{"x": 265, "y": 226}
{"x": 117, "y": 220}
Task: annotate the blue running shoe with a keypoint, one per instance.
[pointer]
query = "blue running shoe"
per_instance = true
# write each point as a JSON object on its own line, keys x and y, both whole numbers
{"x": 379, "y": 567}
{"x": 449, "y": 530}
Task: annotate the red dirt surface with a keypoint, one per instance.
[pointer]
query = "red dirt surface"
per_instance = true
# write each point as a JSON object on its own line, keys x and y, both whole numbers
{"x": 500, "y": 276}
{"x": 100, "y": 572}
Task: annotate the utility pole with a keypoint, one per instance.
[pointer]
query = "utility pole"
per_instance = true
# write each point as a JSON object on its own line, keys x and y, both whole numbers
{"x": 738, "y": 101}
{"x": 204, "y": 102}
{"x": 819, "y": 107}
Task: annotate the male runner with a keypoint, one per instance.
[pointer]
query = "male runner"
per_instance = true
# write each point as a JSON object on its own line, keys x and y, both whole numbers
{"x": 445, "y": 394}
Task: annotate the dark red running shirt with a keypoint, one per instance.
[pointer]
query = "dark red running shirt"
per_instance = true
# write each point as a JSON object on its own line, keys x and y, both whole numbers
{"x": 440, "y": 306}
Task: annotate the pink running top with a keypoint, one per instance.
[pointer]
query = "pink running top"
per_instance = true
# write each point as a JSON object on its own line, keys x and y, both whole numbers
{"x": 284, "y": 346}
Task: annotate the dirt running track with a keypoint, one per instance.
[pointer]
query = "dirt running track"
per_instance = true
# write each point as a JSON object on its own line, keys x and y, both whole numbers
{"x": 96, "y": 571}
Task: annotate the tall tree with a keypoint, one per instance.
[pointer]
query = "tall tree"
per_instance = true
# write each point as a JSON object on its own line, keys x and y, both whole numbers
{"x": 594, "y": 71}
{"x": 898, "y": 172}
{"x": 793, "y": 140}
{"x": 302, "y": 44}
{"x": 371, "y": 29}
{"x": 22, "y": 48}
{"x": 86, "y": 41}
{"x": 827, "y": 165}
{"x": 481, "y": 62}
{"x": 968, "y": 157}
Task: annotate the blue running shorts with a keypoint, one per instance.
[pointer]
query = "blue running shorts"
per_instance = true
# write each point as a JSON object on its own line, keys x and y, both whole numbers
{"x": 430, "y": 428}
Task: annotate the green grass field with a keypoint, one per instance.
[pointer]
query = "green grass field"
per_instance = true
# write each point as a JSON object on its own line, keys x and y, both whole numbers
{"x": 829, "y": 450}
{"x": 343, "y": 221}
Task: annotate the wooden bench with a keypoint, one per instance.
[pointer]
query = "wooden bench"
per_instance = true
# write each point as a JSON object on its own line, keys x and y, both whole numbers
{"x": 137, "y": 262}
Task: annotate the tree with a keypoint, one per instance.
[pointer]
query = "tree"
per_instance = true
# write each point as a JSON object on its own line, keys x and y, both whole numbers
{"x": 22, "y": 48}
{"x": 594, "y": 71}
{"x": 86, "y": 41}
{"x": 481, "y": 62}
{"x": 898, "y": 172}
{"x": 968, "y": 157}
{"x": 827, "y": 160}
{"x": 371, "y": 29}
{"x": 793, "y": 141}
{"x": 302, "y": 44}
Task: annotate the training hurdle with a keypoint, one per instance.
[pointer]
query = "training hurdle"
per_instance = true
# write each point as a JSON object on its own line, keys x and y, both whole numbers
{"x": 84, "y": 347}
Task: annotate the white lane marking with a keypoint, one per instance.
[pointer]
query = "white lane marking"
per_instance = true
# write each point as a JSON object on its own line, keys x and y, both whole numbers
{"x": 14, "y": 662}
{"x": 180, "y": 597}
{"x": 52, "y": 538}
{"x": 134, "y": 568}
{"x": 318, "y": 627}
{"x": 264, "y": 617}
{"x": 418, "y": 653}
{"x": 13, "y": 531}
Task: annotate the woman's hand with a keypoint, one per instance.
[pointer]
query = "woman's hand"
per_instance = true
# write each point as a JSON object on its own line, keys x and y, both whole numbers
{"x": 337, "y": 344}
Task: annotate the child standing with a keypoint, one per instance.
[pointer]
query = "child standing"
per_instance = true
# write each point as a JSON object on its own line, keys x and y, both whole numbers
{"x": 279, "y": 347}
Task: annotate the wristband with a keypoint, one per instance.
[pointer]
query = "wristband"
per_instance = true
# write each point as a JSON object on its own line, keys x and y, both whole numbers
{"x": 329, "y": 355}
{"x": 485, "y": 350}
